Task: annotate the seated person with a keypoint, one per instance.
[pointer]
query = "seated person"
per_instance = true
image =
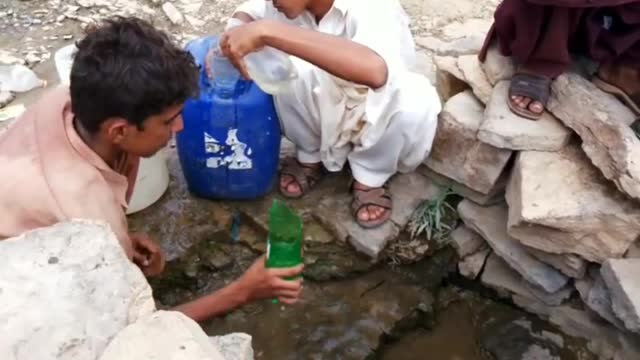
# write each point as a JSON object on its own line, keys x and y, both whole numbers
{"x": 75, "y": 153}
{"x": 541, "y": 35}
{"x": 355, "y": 100}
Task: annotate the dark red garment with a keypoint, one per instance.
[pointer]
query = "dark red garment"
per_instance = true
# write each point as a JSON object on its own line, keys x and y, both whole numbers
{"x": 543, "y": 37}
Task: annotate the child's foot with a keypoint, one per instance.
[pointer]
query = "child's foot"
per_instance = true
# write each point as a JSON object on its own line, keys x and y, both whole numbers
{"x": 297, "y": 179}
{"x": 371, "y": 207}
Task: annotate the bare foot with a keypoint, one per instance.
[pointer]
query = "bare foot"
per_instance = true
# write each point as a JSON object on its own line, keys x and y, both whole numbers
{"x": 525, "y": 103}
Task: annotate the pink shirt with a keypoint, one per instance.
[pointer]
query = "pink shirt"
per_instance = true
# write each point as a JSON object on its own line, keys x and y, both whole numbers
{"x": 51, "y": 175}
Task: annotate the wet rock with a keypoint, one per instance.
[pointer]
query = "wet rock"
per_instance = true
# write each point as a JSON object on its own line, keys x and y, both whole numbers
{"x": 504, "y": 129}
{"x": 604, "y": 339}
{"x": 475, "y": 77}
{"x": 408, "y": 191}
{"x": 499, "y": 276}
{"x": 456, "y": 152}
{"x": 351, "y": 317}
{"x": 163, "y": 335}
{"x": 496, "y": 195}
{"x": 621, "y": 277}
{"x": 449, "y": 78}
{"x": 72, "y": 289}
{"x": 595, "y": 295}
{"x": 491, "y": 223}
{"x": 603, "y": 124}
{"x": 172, "y": 13}
{"x": 466, "y": 241}
{"x": 498, "y": 67}
{"x": 559, "y": 203}
{"x": 236, "y": 346}
{"x": 571, "y": 265}
{"x": 472, "y": 265}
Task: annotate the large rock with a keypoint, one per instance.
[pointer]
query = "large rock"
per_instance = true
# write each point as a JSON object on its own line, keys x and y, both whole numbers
{"x": 622, "y": 279}
{"x": 163, "y": 335}
{"x": 474, "y": 76}
{"x": 499, "y": 276}
{"x": 504, "y": 129}
{"x": 491, "y": 223}
{"x": 559, "y": 203}
{"x": 66, "y": 291}
{"x": 595, "y": 295}
{"x": 497, "y": 67}
{"x": 408, "y": 191}
{"x": 457, "y": 47}
{"x": 457, "y": 153}
{"x": 603, "y": 124}
{"x": 569, "y": 264}
{"x": 449, "y": 78}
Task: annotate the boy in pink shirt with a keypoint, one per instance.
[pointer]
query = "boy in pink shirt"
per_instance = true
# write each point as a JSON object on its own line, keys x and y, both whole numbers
{"x": 75, "y": 153}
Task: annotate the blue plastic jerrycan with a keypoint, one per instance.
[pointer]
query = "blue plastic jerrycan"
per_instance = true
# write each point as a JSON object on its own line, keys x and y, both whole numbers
{"x": 230, "y": 145}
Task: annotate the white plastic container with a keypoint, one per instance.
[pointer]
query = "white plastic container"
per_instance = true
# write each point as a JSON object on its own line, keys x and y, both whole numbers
{"x": 153, "y": 175}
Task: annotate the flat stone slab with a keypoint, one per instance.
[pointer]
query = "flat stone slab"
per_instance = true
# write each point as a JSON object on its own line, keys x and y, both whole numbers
{"x": 491, "y": 223}
{"x": 475, "y": 77}
{"x": 462, "y": 46}
{"x": 603, "y": 123}
{"x": 498, "y": 67}
{"x": 571, "y": 265}
{"x": 408, "y": 191}
{"x": 622, "y": 277}
{"x": 504, "y": 129}
{"x": 496, "y": 194}
{"x": 559, "y": 203}
{"x": 466, "y": 241}
{"x": 457, "y": 153}
{"x": 499, "y": 276}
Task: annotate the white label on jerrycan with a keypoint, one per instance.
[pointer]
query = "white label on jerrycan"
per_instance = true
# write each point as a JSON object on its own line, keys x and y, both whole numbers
{"x": 238, "y": 159}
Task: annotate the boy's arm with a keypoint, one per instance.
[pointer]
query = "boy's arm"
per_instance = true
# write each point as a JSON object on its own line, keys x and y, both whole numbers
{"x": 340, "y": 57}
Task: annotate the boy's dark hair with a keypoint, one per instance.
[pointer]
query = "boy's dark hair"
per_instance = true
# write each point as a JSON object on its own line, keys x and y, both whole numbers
{"x": 127, "y": 68}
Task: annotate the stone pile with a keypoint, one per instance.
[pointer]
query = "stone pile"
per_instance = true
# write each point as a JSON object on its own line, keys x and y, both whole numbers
{"x": 70, "y": 293}
{"x": 551, "y": 206}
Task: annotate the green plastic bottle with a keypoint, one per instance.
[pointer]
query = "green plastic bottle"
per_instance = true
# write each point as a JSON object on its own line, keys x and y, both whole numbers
{"x": 284, "y": 244}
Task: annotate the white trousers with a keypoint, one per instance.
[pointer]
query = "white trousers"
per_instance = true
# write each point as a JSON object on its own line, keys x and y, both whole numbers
{"x": 408, "y": 116}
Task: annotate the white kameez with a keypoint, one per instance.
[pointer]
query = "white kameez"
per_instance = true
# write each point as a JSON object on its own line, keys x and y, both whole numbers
{"x": 380, "y": 131}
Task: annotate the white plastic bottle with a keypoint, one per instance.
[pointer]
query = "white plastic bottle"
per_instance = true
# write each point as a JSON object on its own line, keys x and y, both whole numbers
{"x": 270, "y": 68}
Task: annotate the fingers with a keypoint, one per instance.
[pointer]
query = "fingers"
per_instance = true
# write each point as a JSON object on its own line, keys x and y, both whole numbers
{"x": 140, "y": 259}
{"x": 288, "y": 272}
{"x": 279, "y": 284}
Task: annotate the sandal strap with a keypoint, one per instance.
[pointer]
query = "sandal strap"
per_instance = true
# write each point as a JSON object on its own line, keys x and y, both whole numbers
{"x": 379, "y": 197}
{"x": 305, "y": 176}
{"x": 536, "y": 87}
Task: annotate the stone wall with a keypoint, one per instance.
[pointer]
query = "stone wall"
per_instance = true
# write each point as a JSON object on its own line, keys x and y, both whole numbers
{"x": 69, "y": 292}
{"x": 551, "y": 216}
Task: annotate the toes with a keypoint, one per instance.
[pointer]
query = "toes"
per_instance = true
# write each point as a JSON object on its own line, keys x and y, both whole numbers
{"x": 536, "y": 107}
{"x": 363, "y": 214}
{"x": 293, "y": 188}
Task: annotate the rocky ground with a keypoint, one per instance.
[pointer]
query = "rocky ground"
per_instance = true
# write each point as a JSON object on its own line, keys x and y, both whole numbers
{"x": 549, "y": 213}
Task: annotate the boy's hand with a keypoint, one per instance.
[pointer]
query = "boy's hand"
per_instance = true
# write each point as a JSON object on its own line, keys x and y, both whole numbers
{"x": 242, "y": 40}
{"x": 259, "y": 282}
{"x": 147, "y": 255}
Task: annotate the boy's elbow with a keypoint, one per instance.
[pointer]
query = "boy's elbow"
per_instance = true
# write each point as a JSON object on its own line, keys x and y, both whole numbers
{"x": 379, "y": 74}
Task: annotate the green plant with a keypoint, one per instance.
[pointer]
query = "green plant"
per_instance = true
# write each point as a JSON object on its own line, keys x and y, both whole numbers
{"x": 435, "y": 218}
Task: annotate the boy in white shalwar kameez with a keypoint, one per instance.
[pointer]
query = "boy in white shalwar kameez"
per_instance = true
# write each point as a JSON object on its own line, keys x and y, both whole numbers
{"x": 355, "y": 99}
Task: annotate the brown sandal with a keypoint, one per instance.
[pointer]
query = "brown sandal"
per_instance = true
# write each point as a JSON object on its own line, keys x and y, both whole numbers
{"x": 305, "y": 176}
{"x": 379, "y": 197}
{"x": 535, "y": 87}
{"x": 631, "y": 100}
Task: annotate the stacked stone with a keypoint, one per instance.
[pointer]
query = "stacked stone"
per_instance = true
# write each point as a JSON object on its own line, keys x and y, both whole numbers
{"x": 551, "y": 205}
